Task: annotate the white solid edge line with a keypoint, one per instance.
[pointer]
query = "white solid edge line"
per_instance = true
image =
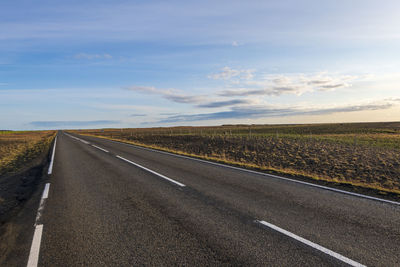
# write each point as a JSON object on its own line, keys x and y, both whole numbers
{"x": 153, "y": 172}
{"x": 45, "y": 195}
{"x": 100, "y": 148}
{"x": 52, "y": 157}
{"x": 35, "y": 247}
{"x": 264, "y": 174}
{"x": 312, "y": 244}
{"x": 46, "y": 191}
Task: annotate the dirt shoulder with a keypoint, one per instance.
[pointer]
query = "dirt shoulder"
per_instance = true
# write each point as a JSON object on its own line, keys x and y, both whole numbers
{"x": 19, "y": 196}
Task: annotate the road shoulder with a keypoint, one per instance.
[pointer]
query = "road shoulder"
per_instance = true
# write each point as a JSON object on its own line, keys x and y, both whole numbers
{"x": 19, "y": 197}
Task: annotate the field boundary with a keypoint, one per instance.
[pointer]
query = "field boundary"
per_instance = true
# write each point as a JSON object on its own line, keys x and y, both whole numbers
{"x": 23, "y": 157}
{"x": 325, "y": 184}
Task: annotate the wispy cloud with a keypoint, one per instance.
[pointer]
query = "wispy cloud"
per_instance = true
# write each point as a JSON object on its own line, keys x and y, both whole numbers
{"x": 168, "y": 113}
{"x": 235, "y": 43}
{"x": 92, "y": 56}
{"x": 219, "y": 104}
{"x": 243, "y": 92}
{"x": 137, "y": 115}
{"x": 245, "y": 85}
{"x": 252, "y": 112}
{"x": 144, "y": 89}
{"x": 48, "y": 124}
{"x": 271, "y": 91}
{"x": 170, "y": 94}
{"x": 228, "y": 73}
{"x": 298, "y": 84}
{"x": 332, "y": 86}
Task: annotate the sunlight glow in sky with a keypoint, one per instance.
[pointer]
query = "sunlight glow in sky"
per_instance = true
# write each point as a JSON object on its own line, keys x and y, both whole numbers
{"x": 102, "y": 63}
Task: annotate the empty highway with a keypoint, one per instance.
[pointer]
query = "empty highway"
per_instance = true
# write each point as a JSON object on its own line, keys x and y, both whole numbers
{"x": 113, "y": 204}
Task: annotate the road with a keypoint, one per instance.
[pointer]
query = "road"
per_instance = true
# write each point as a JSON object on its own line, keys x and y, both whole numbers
{"x": 113, "y": 204}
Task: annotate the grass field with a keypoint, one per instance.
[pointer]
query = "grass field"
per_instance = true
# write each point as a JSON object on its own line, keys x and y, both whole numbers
{"x": 359, "y": 154}
{"x": 19, "y": 147}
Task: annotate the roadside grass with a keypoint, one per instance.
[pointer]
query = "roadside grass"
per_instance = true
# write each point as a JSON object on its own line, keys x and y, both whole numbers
{"x": 365, "y": 155}
{"x": 19, "y": 147}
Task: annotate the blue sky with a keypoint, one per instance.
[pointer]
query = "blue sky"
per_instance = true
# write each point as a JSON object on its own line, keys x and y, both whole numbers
{"x": 92, "y": 64}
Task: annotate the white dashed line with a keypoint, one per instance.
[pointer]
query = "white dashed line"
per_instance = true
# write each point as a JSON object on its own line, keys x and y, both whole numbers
{"x": 87, "y": 143}
{"x": 76, "y": 138}
{"x": 261, "y": 173}
{"x": 100, "y": 148}
{"x": 153, "y": 172}
{"x": 312, "y": 244}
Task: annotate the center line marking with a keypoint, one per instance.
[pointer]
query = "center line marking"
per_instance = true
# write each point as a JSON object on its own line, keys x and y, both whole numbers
{"x": 312, "y": 244}
{"x": 100, "y": 148}
{"x": 76, "y": 138}
{"x": 153, "y": 172}
{"x": 83, "y": 141}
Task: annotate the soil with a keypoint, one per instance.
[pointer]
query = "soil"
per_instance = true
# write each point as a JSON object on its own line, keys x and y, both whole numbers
{"x": 19, "y": 192}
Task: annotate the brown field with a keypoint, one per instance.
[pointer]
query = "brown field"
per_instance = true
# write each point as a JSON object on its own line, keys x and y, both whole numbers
{"x": 359, "y": 154}
{"x": 18, "y": 148}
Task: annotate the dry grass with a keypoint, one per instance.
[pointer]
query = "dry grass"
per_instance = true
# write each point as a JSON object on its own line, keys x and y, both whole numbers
{"x": 18, "y": 148}
{"x": 365, "y": 155}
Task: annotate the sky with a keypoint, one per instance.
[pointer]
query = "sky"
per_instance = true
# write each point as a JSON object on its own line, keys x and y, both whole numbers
{"x": 113, "y": 64}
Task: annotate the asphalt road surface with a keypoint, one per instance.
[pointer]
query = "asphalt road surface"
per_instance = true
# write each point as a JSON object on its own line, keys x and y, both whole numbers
{"x": 113, "y": 204}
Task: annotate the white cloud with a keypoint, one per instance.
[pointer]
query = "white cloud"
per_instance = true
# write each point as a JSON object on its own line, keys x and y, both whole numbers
{"x": 233, "y": 102}
{"x": 228, "y": 73}
{"x": 170, "y": 94}
{"x": 245, "y": 86}
{"x": 298, "y": 84}
{"x": 270, "y": 111}
{"x": 144, "y": 89}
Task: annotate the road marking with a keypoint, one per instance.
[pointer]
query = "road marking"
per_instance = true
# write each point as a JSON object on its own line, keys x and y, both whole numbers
{"x": 35, "y": 247}
{"x": 153, "y": 172}
{"x": 37, "y": 236}
{"x": 83, "y": 141}
{"x": 42, "y": 202}
{"x": 312, "y": 244}
{"x": 52, "y": 157}
{"x": 100, "y": 148}
{"x": 79, "y": 139}
{"x": 46, "y": 191}
{"x": 86, "y": 142}
{"x": 263, "y": 174}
